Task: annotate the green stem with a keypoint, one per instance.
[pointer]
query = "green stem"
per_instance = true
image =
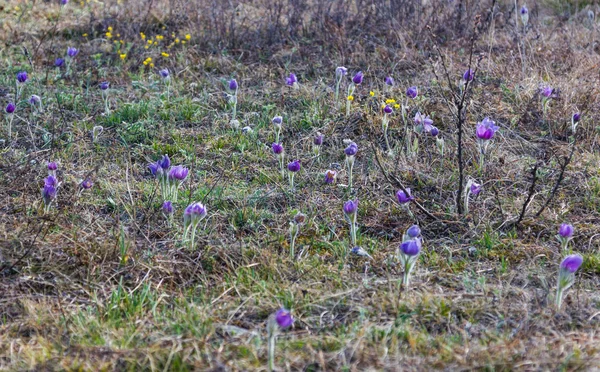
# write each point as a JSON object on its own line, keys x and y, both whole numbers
{"x": 271, "y": 366}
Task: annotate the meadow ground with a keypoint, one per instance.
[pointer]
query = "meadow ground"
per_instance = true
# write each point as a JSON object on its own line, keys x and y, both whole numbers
{"x": 102, "y": 279}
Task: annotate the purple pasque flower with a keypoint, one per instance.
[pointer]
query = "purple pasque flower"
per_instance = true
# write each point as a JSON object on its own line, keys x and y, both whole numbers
{"x": 413, "y": 231}
{"x": 358, "y": 78}
{"x": 104, "y": 85}
{"x": 475, "y": 188}
{"x": 164, "y": 73}
{"x": 548, "y": 92}
{"x": 404, "y": 197}
{"x": 330, "y": 176}
{"x": 10, "y": 108}
{"x": 233, "y": 85}
{"x": 291, "y": 80}
{"x": 48, "y": 193}
{"x": 469, "y": 75}
{"x": 571, "y": 263}
{"x": 524, "y": 10}
{"x": 389, "y": 81}
{"x": 194, "y": 213}
{"x": 566, "y": 230}
{"x": 64, "y": 2}
{"x": 178, "y": 173}
{"x": 411, "y": 247}
{"x": 318, "y": 140}
{"x": 59, "y": 62}
{"x": 434, "y": 131}
{"x": 351, "y": 150}
{"x": 277, "y": 148}
{"x": 284, "y": 318}
{"x": 277, "y": 121}
{"x": 51, "y": 181}
{"x": 164, "y": 162}
{"x": 576, "y": 117}
{"x": 423, "y": 122}
{"x": 294, "y": 166}
{"x": 341, "y": 71}
{"x": 86, "y": 184}
{"x": 350, "y": 207}
{"x": 486, "y": 129}
{"x": 22, "y": 77}
{"x": 72, "y": 52}
{"x": 35, "y": 99}
{"x": 52, "y": 166}
{"x": 167, "y": 207}
{"x": 412, "y": 92}
{"x": 155, "y": 169}
{"x": 388, "y": 109}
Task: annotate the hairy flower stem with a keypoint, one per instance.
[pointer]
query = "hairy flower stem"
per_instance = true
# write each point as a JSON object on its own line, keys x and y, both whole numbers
{"x": 291, "y": 178}
{"x": 559, "y": 296}
{"x": 337, "y": 91}
{"x": 351, "y": 89}
{"x": 271, "y": 345}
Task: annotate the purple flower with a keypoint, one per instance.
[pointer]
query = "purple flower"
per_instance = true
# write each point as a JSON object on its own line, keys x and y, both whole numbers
{"x": 352, "y": 149}
{"x": 576, "y": 117}
{"x": 277, "y": 121}
{"x": 389, "y": 81}
{"x": 318, "y": 140}
{"x": 72, "y": 52}
{"x": 413, "y": 231}
{"x": 411, "y": 247}
{"x": 284, "y": 318}
{"x": 165, "y": 162}
{"x": 341, "y": 71}
{"x": 524, "y": 10}
{"x": 178, "y": 173}
{"x": 388, "y": 109}
{"x": 48, "y": 193}
{"x": 291, "y": 80}
{"x": 548, "y": 92}
{"x": 475, "y": 188}
{"x": 571, "y": 263}
{"x": 358, "y": 78}
{"x": 104, "y": 85}
{"x": 194, "y": 212}
{"x": 22, "y": 77}
{"x": 35, "y": 99}
{"x": 233, "y": 85}
{"x": 52, "y": 166}
{"x": 59, "y": 62}
{"x": 10, "y": 108}
{"x": 51, "y": 181}
{"x": 330, "y": 176}
{"x": 350, "y": 207}
{"x": 164, "y": 73}
{"x": 167, "y": 207}
{"x": 404, "y": 197}
{"x": 469, "y": 75}
{"x": 155, "y": 168}
{"x": 425, "y": 121}
{"x": 86, "y": 184}
{"x": 486, "y": 129}
{"x": 294, "y": 166}
{"x": 566, "y": 230}
{"x": 412, "y": 92}
{"x": 434, "y": 131}
{"x": 64, "y": 2}
{"x": 277, "y": 148}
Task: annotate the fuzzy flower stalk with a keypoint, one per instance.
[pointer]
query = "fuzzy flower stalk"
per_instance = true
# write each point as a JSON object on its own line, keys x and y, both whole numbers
{"x": 104, "y": 89}
{"x": 404, "y": 198}
{"x": 350, "y": 213}
{"x": 10, "y": 114}
{"x": 166, "y": 78}
{"x": 340, "y": 72}
{"x": 317, "y": 143}
{"x": 470, "y": 188}
{"x": 167, "y": 211}
{"x": 71, "y": 54}
{"x": 281, "y": 320}
{"x": 565, "y": 235}
{"x": 277, "y": 122}
{"x": 356, "y": 80}
{"x": 485, "y": 131}
{"x": 350, "y": 152}
{"x": 385, "y": 121}
{"x": 575, "y": 121}
{"x": 408, "y": 252}
{"x": 21, "y": 80}
{"x": 49, "y": 191}
{"x": 295, "y": 225}
{"x": 233, "y": 98}
{"x": 293, "y": 168}
{"x": 279, "y": 154}
{"x": 566, "y": 276}
{"x": 192, "y": 216}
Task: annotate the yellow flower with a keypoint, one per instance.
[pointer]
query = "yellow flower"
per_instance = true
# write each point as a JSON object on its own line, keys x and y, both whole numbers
{"x": 388, "y": 101}
{"x": 17, "y": 8}
{"x": 396, "y": 106}
{"x": 150, "y": 41}
{"x": 85, "y": 35}
{"x": 109, "y": 29}
{"x": 123, "y": 55}
{"x": 177, "y": 41}
{"x": 108, "y": 35}
{"x": 159, "y": 37}
{"x": 188, "y": 36}
{"x": 372, "y": 93}
{"x": 145, "y": 63}
{"x": 115, "y": 41}
{"x": 143, "y": 36}
{"x": 164, "y": 27}
{"x": 182, "y": 41}
{"x": 118, "y": 35}
{"x": 151, "y": 65}
{"x": 155, "y": 43}
{"x": 146, "y": 47}
{"x": 164, "y": 54}
{"x": 149, "y": 59}
{"x": 350, "y": 98}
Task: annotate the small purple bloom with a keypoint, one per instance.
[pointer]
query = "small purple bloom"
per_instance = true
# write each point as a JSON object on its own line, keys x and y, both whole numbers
{"x": 86, "y": 184}
{"x": 277, "y": 148}
{"x": 571, "y": 263}
{"x": 64, "y": 2}
{"x": 548, "y": 92}
{"x": 164, "y": 73}
{"x": 576, "y": 117}
{"x": 389, "y": 81}
{"x": 412, "y": 92}
{"x": 195, "y": 211}
{"x": 425, "y": 121}
{"x": 358, "y": 78}
{"x": 475, "y": 188}
{"x": 350, "y": 207}
{"x": 277, "y": 121}
{"x": 59, "y": 62}
{"x": 330, "y": 176}
{"x": 165, "y": 162}
{"x": 72, "y": 52}
{"x": 434, "y": 131}
{"x": 104, "y": 85}
{"x": 404, "y": 197}
{"x": 52, "y": 166}
{"x": 352, "y": 149}
{"x": 22, "y": 77}
{"x": 341, "y": 71}
{"x": 154, "y": 168}
{"x": 388, "y": 109}
{"x": 291, "y": 80}
{"x": 10, "y": 108}
{"x": 51, "y": 181}
{"x": 167, "y": 207}
{"x": 524, "y": 10}
{"x": 486, "y": 129}
{"x": 294, "y": 166}
{"x": 411, "y": 247}
{"x": 48, "y": 193}
{"x": 318, "y": 140}
{"x": 178, "y": 173}
{"x": 233, "y": 85}
{"x": 413, "y": 231}
{"x": 566, "y": 230}
{"x": 284, "y": 318}
{"x": 469, "y": 75}
{"x": 35, "y": 99}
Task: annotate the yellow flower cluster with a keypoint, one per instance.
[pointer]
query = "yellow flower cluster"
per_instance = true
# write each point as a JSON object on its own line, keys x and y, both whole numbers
{"x": 148, "y": 62}
{"x": 391, "y": 100}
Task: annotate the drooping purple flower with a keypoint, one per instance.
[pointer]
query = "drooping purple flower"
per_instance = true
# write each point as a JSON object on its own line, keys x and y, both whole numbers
{"x": 86, "y": 184}
{"x": 318, "y": 140}
{"x": 411, "y": 247}
{"x": 548, "y": 92}
{"x": 277, "y": 148}
{"x": 51, "y": 181}
{"x": 404, "y": 197}
{"x": 194, "y": 212}
{"x": 413, "y": 231}
{"x": 10, "y": 108}
{"x": 358, "y": 78}
{"x": 434, "y": 131}
{"x": 341, "y": 71}
{"x": 155, "y": 169}
{"x": 389, "y": 81}
{"x": 164, "y": 73}
{"x": 22, "y": 77}
{"x": 52, "y": 166}
{"x": 167, "y": 207}
{"x": 412, "y": 92}
{"x": 233, "y": 85}
{"x": 59, "y": 62}
{"x": 566, "y": 230}
{"x": 486, "y": 129}
{"x": 576, "y": 117}
{"x": 475, "y": 188}
{"x": 350, "y": 207}
{"x": 330, "y": 176}
{"x": 284, "y": 318}
{"x": 388, "y": 109}
{"x": 72, "y": 52}
{"x": 425, "y": 121}
{"x": 104, "y": 85}
{"x": 294, "y": 166}
{"x": 178, "y": 173}
{"x": 571, "y": 263}
{"x": 469, "y": 75}
{"x": 291, "y": 80}
{"x": 164, "y": 162}
{"x": 351, "y": 150}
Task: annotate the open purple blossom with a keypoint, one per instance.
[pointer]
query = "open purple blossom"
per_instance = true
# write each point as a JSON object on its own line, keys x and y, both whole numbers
{"x": 59, "y": 62}
{"x": 10, "y": 108}
{"x": 86, "y": 184}
{"x": 277, "y": 148}
{"x": 22, "y": 77}
{"x": 72, "y": 52}
{"x": 404, "y": 197}
{"x": 51, "y": 181}
{"x": 566, "y": 276}
{"x": 48, "y": 193}
{"x": 566, "y": 230}
{"x": 178, "y": 173}
{"x": 351, "y": 150}
{"x": 164, "y": 162}
{"x": 284, "y": 318}
{"x": 469, "y": 75}
{"x": 330, "y": 176}
{"x": 486, "y": 129}
{"x": 167, "y": 207}
{"x": 424, "y": 122}
{"x": 358, "y": 78}
{"x": 475, "y": 188}
{"x": 294, "y": 166}
{"x": 164, "y": 73}
{"x": 341, "y": 71}
{"x": 195, "y": 210}
{"x": 52, "y": 166}
{"x": 388, "y": 109}
{"x": 571, "y": 263}
{"x": 277, "y": 121}
{"x": 412, "y": 92}
{"x": 350, "y": 207}
{"x": 411, "y": 247}
{"x": 548, "y": 92}
{"x": 291, "y": 80}
{"x": 389, "y": 81}
{"x": 413, "y": 231}
{"x": 155, "y": 169}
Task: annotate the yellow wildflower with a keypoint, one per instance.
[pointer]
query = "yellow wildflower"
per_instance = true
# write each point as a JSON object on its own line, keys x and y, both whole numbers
{"x": 350, "y": 98}
{"x": 159, "y": 37}
{"x": 146, "y": 47}
{"x": 109, "y": 29}
{"x": 85, "y": 35}
{"x": 388, "y": 101}
{"x": 145, "y": 63}
{"x": 177, "y": 41}
{"x": 182, "y": 41}
{"x": 108, "y": 35}
{"x": 188, "y": 36}
{"x": 123, "y": 56}
{"x": 396, "y": 106}
{"x": 143, "y": 36}
{"x": 151, "y": 65}
{"x": 372, "y": 93}
{"x": 150, "y": 41}
{"x": 164, "y": 54}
